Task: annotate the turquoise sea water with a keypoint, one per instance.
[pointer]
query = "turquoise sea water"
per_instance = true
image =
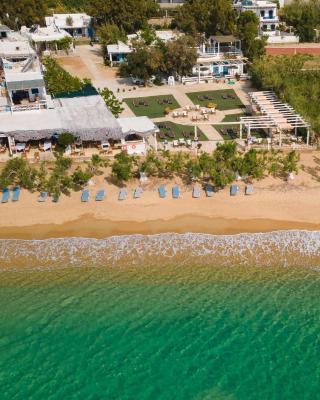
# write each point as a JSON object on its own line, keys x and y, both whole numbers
{"x": 209, "y": 328}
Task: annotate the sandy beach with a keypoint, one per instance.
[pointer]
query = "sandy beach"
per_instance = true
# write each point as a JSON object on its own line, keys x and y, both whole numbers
{"x": 275, "y": 205}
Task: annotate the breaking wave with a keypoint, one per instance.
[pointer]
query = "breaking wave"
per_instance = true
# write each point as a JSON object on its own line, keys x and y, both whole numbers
{"x": 282, "y": 248}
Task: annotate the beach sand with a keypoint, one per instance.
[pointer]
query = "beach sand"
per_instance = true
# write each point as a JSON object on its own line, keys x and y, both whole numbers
{"x": 275, "y": 205}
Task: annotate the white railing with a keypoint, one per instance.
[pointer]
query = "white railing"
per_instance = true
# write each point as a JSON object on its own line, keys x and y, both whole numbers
{"x": 24, "y": 107}
{"x": 221, "y": 55}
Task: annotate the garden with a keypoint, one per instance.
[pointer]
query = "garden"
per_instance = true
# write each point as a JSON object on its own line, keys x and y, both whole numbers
{"x": 170, "y": 131}
{"x": 152, "y": 106}
{"x": 232, "y": 131}
{"x": 224, "y": 99}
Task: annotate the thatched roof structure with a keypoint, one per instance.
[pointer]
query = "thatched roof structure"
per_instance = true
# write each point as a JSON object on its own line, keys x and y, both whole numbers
{"x": 85, "y": 117}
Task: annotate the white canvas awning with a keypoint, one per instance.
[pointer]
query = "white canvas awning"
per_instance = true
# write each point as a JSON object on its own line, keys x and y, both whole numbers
{"x": 142, "y": 126}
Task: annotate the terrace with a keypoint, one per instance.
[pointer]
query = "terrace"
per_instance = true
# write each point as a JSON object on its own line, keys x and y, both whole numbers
{"x": 152, "y": 106}
{"x": 169, "y": 131}
{"x": 223, "y": 99}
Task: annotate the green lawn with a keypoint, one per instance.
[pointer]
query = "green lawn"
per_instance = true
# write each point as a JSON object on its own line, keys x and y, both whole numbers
{"x": 225, "y": 99}
{"x": 178, "y": 129}
{"x": 152, "y": 106}
{"x": 233, "y": 117}
{"x": 222, "y": 129}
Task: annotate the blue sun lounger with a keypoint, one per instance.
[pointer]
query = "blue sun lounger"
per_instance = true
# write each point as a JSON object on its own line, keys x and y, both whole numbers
{"x": 85, "y": 196}
{"x": 176, "y": 192}
{"x": 42, "y": 197}
{"x": 137, "y": 193}
{"x": 196, "y": 192}
{"x": 248, "y": 190}
{"x": 162, "y": 192}
{"x": 233, "y": 190}
{"x": 100, "y": 195}
{"x": 15, "y": 193}
{"x": 209, "y": 190}
{"x": 5, "y": 195}
{"x": 123, "y": 194}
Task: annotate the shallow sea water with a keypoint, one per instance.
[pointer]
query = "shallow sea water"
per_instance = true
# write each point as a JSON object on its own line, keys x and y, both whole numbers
{"x": 161, "y": 317}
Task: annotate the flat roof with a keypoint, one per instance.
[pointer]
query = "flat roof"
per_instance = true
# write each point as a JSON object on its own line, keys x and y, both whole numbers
{"x": 224, "y": 38}
{"x": 119, "y": 48}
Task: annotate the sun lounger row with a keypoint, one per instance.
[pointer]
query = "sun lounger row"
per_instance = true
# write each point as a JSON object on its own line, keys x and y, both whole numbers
{"x": 100, "y": 195}
{"x": 6, "y": 194}
{"x": 235, "y": 188}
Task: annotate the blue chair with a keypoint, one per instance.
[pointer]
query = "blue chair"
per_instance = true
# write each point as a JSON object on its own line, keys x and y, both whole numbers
{"x": 100, "y": 195}
{"x": 196, "y": 192}
{"x": 85, "y": 196}
{"x": 162, "y": 192}
{"x": 137, "y": 193}
{"x": 5, "y": 195}
{"x": 233, "y": 190}
{"x": 248, "y": 190}
{"x": 15, "y": 193}
{"x": 209, "y": 190}
{"x": 42, "y": 197}
{"x": 123, "y": 194}
{"x": 176, "y": 192}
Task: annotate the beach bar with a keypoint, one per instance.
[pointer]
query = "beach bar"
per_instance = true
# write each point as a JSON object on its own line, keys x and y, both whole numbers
{"x": 270, "y": 114}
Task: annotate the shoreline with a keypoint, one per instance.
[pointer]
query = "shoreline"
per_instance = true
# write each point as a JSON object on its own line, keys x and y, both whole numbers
{"x": 90, "y": 227}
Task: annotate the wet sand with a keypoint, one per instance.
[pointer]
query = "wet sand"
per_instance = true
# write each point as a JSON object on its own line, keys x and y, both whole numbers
{"x": 88, "y": 226}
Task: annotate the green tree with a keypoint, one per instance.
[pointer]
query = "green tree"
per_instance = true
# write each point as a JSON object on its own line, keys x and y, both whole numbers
{"x": 111, "y": 34}
{"x": 304, "y": 16}
{"x": 22, "y": 12}
{"x": 97, "y": 162}
{"x": 114, "y": 105}
{"x": 129, "y": 15}
{"x": 81, "y": 177}
{"x": 248, "y": 29}
{"x": 143, "y": 62}
{"x": 58, "y": 80}
{"x": 65, "y": 139}
{"x": 180, "y": 56}
{"x": 18, "y": 172}
{"x": 122, "y": 167}
{"x": 211, "y": 17}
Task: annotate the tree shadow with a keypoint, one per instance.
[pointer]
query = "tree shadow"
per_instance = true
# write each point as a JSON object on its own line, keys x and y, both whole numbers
{"x": 314, "y": 172}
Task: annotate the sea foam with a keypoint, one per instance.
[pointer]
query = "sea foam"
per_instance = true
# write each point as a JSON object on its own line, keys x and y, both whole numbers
{"x": 281, "y": 248}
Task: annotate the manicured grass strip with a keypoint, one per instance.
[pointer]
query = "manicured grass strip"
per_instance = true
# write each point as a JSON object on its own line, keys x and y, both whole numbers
{"x": 152, "y": 106}
{"x": 224, "y": 99}
{"x": 178, "y": 129}
{"x": 222, "y": 129}
{"x": 233, "y": 117}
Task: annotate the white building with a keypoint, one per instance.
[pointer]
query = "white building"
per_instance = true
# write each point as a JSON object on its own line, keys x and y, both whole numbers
{"x": 22, "y": 85}
{"x": 117, "y": 53}
{"x": 45, "y": 38}
{"x": 267, "y": 13}
{"x": 220, "y": 56}
{"x": 77, "y": 25}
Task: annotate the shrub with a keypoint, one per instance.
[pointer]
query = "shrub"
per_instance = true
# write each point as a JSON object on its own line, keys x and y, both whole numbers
{"x": 167, "y": 110}
{"x": 65, "y": 139}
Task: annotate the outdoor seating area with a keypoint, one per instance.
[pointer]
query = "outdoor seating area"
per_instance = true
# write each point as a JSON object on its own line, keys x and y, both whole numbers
{"x": 279, "y": 119}
{"x": 169, "y": 131}
{"x": 151, "y": 106}
{"x": 223, "y": 99}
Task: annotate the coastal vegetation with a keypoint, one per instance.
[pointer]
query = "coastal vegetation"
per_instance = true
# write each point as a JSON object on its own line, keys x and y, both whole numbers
{"x": 176, "y": 58}
{"x": 220, "y": 168}
{"x": 304, "y": 16}
{"x": 58, "y": 80}
{"x": 292, "y": 83}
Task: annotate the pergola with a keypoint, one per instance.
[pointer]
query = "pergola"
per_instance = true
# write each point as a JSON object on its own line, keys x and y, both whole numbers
{"x": 274, "y": 115}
